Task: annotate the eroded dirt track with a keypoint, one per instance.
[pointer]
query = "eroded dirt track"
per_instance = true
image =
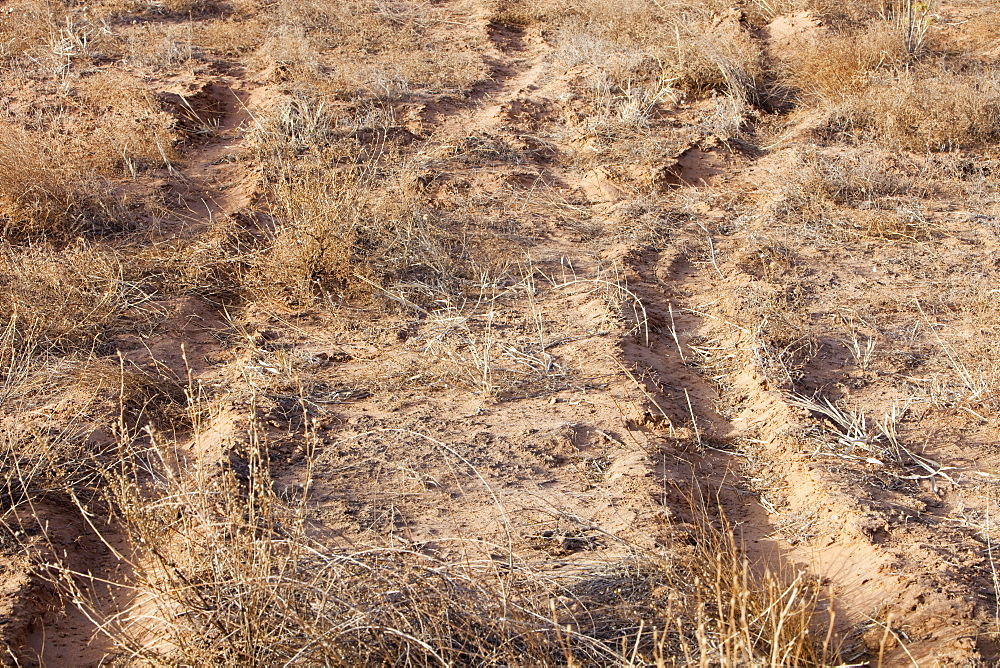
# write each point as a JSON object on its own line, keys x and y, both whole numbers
{"x": 656, "y": 337}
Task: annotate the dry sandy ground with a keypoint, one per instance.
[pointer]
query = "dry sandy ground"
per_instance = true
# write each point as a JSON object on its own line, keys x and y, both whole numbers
{"x": 658, "y": 332}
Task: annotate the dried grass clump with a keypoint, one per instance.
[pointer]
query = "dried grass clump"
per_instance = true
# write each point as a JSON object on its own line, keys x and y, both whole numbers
{"x": 27, "y": 454}
{"x": 69, "y": 299}
{"x": 233, "y": 573}
{"x": 379, "y": 50}
{"x": 59, "y": 411}
{"x": 131, "y": 132}
{"x": 838, "y": 66}
{"x": 635, "y": 61}
{"x": 174, "y": 9}
{"x": 182, "y": 8}
{"x": 976, "y": 35}
{"x": 523, "y": 13}
{"x": 47, "y": 193}
{"x": 59, "y": 175}
{"x": 717, "y": 55}
{"x": 745, "y": 615}
{"x": 687, "y": 47}
{"x": 219, "y": 265}
{"x": 853, "y": 194}
{"x": 288, "y": 45}
{"x": 857, "y": 179}
{"x": 938, "y": 111}
{"x": 340, "y": 231}
{"x": 874, "y": 81}
{"x": 346, "y": 214}
{"x": 231, "y": 37}
{"x": 838, "y": 13}
{"x": 27, "y": 30}
{"x": 156, "y": 44}
{"x": 297, "y": 123}
{"x": 42, "y": 454}
{"x": 640, "y": 51}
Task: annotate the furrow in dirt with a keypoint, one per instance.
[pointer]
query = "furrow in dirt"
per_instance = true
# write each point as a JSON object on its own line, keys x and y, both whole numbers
{"x": 850, "y": 545}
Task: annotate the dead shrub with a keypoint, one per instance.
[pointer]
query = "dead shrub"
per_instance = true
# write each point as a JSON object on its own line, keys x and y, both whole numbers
{"x": 158, "y": 44}
{"x": 837, "y": 13}
{"x": 288, "y": 46}
{"x": 935, "y": 111}
{"x": 178, "y": 9}
{"x": 316, "y": 213}
{"x": 184, "y": 8}
{"x": 875, "y": 83}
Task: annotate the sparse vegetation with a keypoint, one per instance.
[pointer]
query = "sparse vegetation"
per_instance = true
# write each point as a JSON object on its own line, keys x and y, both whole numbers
{"x": 259, "y": 585}
{"x": 498, "y": 332}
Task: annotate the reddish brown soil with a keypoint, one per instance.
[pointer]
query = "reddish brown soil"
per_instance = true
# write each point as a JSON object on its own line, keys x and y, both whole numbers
{"x": 582, "y": 444}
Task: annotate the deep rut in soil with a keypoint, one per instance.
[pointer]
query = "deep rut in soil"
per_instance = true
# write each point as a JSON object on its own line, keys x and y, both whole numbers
{"x": 845, "y": 532}
{"x": 205, "y": 185}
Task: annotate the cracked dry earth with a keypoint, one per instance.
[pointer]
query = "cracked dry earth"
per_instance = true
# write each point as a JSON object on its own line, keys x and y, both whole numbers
{"x": 655, "y": 332}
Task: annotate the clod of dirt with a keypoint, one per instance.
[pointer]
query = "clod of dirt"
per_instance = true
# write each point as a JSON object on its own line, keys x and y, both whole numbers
{"x": 787, "y": 35}
{"x": 199, "y": 107}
